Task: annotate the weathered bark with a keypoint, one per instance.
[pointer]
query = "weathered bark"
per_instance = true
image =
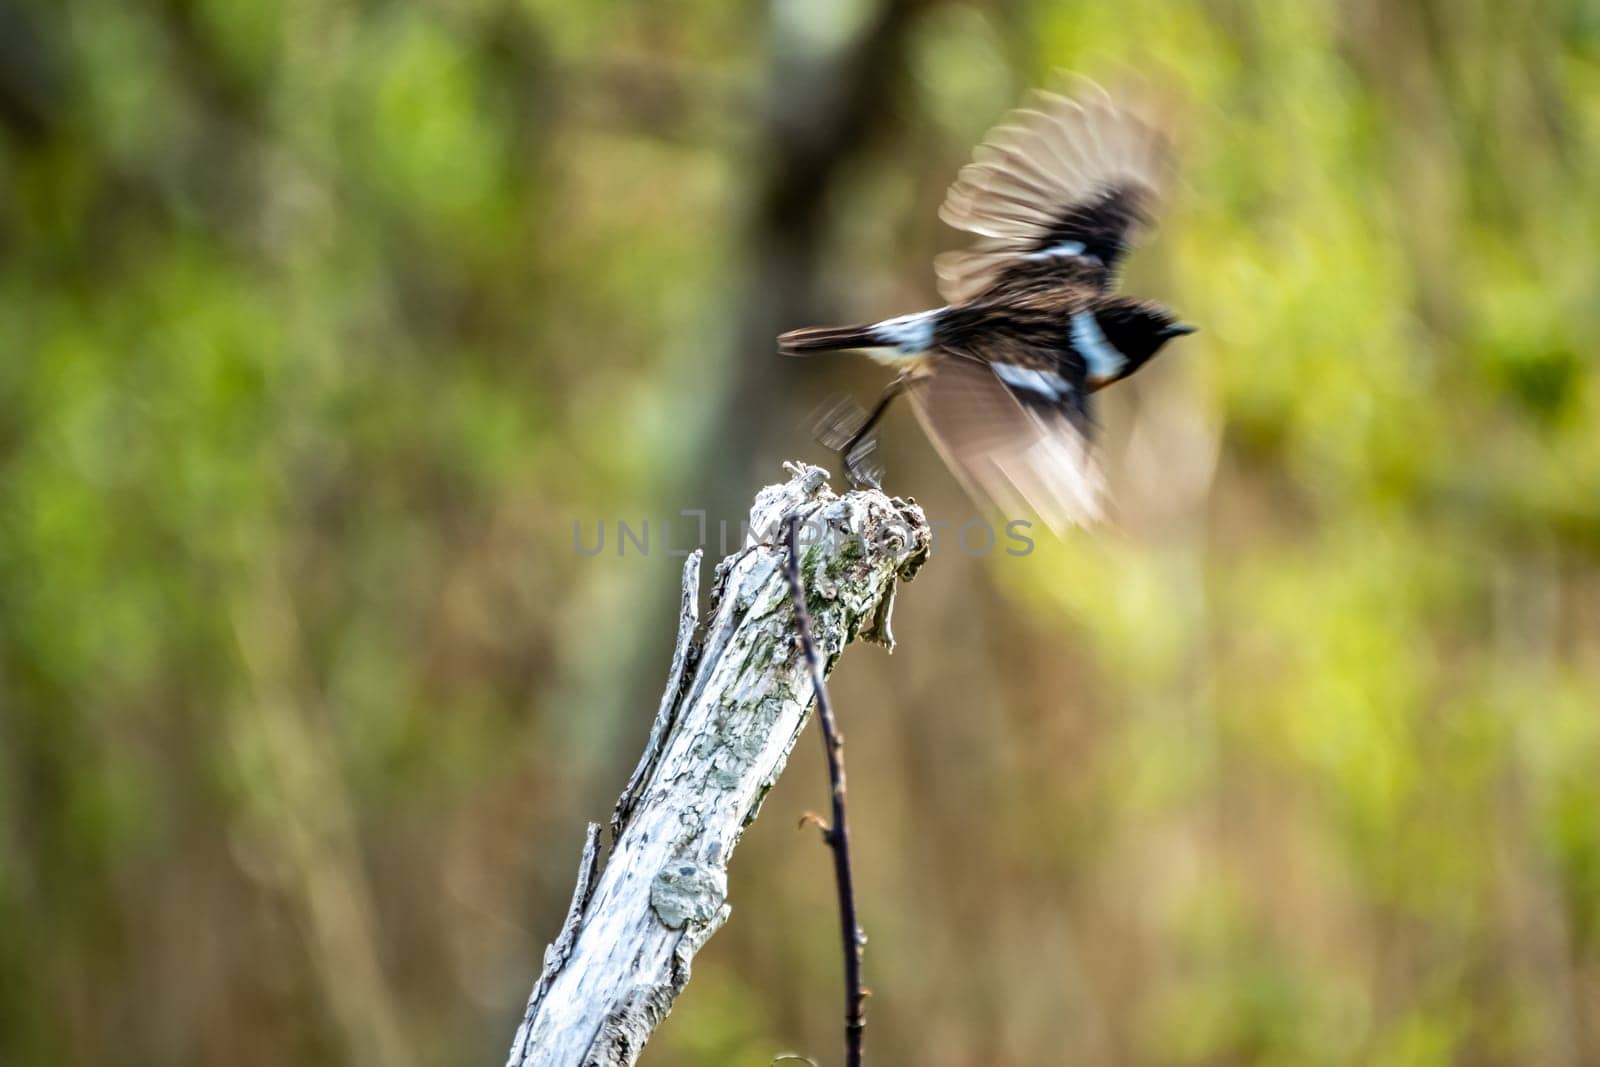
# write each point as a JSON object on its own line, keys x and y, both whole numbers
{"x": 736, "y": 699}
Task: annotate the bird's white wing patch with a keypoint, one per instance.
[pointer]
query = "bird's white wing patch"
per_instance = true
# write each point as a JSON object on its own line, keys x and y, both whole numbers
{"x": 1065, "y": 248}
{"x": 1102, "y": 356}
{"x": 1046, "y": 384}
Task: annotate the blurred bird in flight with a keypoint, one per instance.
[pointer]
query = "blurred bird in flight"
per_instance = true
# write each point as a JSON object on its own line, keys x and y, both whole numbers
{"x": 1001, "y": 377}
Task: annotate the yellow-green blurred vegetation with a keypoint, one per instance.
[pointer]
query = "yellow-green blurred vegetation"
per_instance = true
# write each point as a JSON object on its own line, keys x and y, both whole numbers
{"x": 324, "y": 320}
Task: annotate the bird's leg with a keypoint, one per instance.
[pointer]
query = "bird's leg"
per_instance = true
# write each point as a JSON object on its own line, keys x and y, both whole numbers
{"x": 836, "y": 421}
{"x": 836, "y": 425}
{"x": 862, "y": 471}
{"x": 892, "y": 390}
{"x": 862, "y": 443}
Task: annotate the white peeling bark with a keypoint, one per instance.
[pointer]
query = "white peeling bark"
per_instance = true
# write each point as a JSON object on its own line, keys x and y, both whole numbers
{"x": 736, "y": 699}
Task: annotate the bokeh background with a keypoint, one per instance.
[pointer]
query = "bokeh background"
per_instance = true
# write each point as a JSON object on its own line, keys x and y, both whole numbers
{"x": 324, "y": 321}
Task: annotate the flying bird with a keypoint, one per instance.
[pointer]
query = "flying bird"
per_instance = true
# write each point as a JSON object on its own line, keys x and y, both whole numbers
{"x": 1001, "y": 376}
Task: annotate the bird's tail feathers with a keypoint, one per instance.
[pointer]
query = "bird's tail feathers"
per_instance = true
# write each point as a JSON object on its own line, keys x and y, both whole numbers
{"x": 827, "y": 339}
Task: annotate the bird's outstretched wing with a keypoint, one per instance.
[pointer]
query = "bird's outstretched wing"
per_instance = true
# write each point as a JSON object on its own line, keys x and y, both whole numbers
{"x": 1062, "y": 180}
{"x": 1015, "y": 431}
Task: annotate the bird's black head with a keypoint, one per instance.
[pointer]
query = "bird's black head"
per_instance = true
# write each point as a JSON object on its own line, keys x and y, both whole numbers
{"x": 1138, "y": 328}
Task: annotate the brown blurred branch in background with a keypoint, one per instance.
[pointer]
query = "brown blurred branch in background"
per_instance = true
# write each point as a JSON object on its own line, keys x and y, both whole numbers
{"x": 824, "y": 111}
{"x": 736, "y": 699}
{"x": 836, "y": 832}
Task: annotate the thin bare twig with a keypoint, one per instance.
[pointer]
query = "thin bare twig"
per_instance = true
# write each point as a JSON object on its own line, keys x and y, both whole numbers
{"x": 837, "y": 833}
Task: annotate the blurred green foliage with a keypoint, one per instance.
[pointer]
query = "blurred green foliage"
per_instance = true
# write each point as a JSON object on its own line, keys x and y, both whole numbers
{"x": 324, "y": 321}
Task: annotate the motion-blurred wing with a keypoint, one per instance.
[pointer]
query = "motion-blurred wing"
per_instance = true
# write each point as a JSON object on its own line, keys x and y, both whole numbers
{"x": 1023, "y": 447}
{"x": 1061, "y": 178}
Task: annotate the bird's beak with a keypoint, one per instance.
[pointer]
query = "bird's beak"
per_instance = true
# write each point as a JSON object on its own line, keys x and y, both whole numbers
{"x": 1178, "y": 329}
